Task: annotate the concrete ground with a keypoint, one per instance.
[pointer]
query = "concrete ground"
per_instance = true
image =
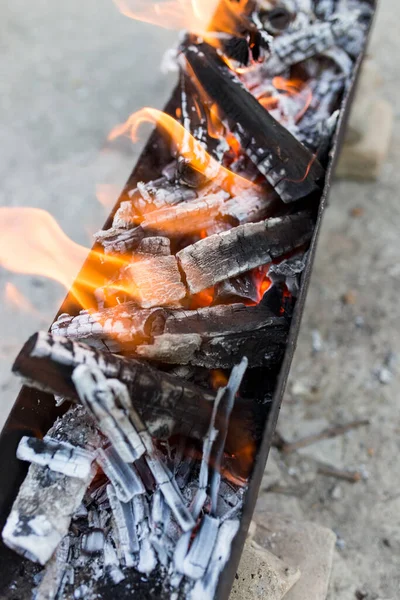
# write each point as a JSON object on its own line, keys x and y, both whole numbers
{"x": 72, "y": 70}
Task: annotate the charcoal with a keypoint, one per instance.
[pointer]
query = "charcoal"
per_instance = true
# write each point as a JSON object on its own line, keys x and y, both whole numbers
{"x": 156, "y": 281}
{"x": 51, "y": 585}
{"x": 125, "y": 521}
{"x": 249, "y": 203}
{"x": 158, "y": 194}
{"x": 187, "y": 217}
{"x": 103, "y": 399}
{"x": 167, "y": 404}
{"x": 123, "y": 476}
{"x": 291, "y": 48}
{"x": 205, "y": 588}
{"x": 242, "y": 248}
{"x": 42, "y": 512}
{"x": 93, "y": 541}
{"x": 147, "y": 556}
{"x": 236, "y": 289}
{"x": 267, "y": 143}
{"x": 111, "y": 564}
{"x": 60, "y": 457}
{"x": 119, "y": 240}
{"x": 157, "y": 246}
{"x": 289, "y": 272}
{"x": 199, "y": 555}
{"x": 122, "y": 325}
{"x": 218, "y": 337}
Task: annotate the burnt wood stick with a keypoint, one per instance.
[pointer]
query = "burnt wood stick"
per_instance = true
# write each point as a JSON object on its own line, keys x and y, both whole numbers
{"x": 42, "y": 512}
{"x": 230, "y": 253}
{"x": 166, "y": 404}
{"x": 187, "y": 217}
{"x": 288, "y": 166}
{"x": 220, "y": 320}
{"x": 155, "y": 245}
{"x": 155, "y": 281}
{"x": 122, "y": 325}
{"x": 265, "y": 346}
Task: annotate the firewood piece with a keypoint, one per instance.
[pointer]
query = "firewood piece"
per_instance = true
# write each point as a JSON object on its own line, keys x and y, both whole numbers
{"x": 228, "y": 254}
{"x": 205, "y": 587}
{"x": 288, "y": 166}
{"x": 156, "y": 281}
{"x": 148, "y": 197}
{"x": 120, "y": 241}
{"x": 56, "y": 573}
{"x": 124, "y": 325}
{"x": 125, "y": 521}
{"x": 289, "y": 272}
{"x": 220, "y": 320}
{"x": 291, "y": 48}
{"x": 199, "y": 555}
{"x": 238, "y": 288}
{"x": 156, "y": 246}
{"x": 123, "y": 476}
{"x": 42, "y": 512}
{"x": 166, "y": 404}
{"x": 265, "y": 345}
{"x": 187, "y": 217}
{"x": 250, "y": 204}
{"x": 61, "y": 457}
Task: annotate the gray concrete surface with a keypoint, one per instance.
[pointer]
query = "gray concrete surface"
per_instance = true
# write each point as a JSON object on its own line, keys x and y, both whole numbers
{"x": 69, "y": 72}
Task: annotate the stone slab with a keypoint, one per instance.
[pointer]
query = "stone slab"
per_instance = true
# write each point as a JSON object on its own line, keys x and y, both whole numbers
{"x": 262, "y": 576}
{"x": 302, "y": 545}
{"x": 364, "y": 159}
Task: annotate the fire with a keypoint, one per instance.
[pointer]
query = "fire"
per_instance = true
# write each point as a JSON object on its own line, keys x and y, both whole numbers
{"x": 218, "y": 379}
{"x": 33, "y": 243}
{"x": 192, "y": 15}
{"x": 295, "y": 88}
{"x": 186, "y": 145}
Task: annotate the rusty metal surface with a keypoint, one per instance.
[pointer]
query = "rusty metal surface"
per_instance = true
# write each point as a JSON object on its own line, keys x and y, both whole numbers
{"x": 34, "y": 412}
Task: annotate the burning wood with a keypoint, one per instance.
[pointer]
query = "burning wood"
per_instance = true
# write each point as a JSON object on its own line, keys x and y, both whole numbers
{"x": 167, "y": 404}
{"x": 242, "y": 248}
{"x": 153, "y": 469}
{"x": 268, "y": 144}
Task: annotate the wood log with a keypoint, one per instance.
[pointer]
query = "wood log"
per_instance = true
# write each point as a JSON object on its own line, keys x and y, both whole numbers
{"x": 263, "y": 346}
{"x": 228, "y": 254}
{"x": 250, "y": 203}
{"x": 288, "y": 166}
{"x": 124, "y": 325}
{"x": 166, "y": 404}
{"x": 187, "y": 217}
{"x": 156, "y": 281}
{"x": 119, "y": 240}
{"x": 42, "y": 512}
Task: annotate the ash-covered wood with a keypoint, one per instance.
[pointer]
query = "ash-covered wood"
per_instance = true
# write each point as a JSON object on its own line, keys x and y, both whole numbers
{"x": 156, "y": 245}
{"x": 187, "y": 217}
{"x": 123, "y": 325}
{"x": 119, "y": 240}
{"x": 241, "y": 249}
{"x": 250, "y": 203}
{"x": 156, "y": 281}
{"x": 61, "y": 457}
{"x": 42, "y": 512}
{"x": 166, "y": 403}
{"x": 288, "y": 165}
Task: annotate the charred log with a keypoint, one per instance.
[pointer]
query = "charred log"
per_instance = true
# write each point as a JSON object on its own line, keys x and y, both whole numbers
{"x": 42, "y": 511}
{"x": 267, "y": 143}
{"x": 226, "y": 255}
{"x": 156, "y": 281}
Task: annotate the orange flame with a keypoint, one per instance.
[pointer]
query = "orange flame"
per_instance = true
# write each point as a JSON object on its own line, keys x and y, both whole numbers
{"x": 192, "y": 15}
{"x": 295, "y": 88}
{"x": 186, "y": 145}
{"x": 218, "y": 378}
{"x": 34, "y": 244}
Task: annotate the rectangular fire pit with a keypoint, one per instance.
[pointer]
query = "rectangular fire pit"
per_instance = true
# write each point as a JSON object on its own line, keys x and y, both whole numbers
{"x": 179, "y": 367}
